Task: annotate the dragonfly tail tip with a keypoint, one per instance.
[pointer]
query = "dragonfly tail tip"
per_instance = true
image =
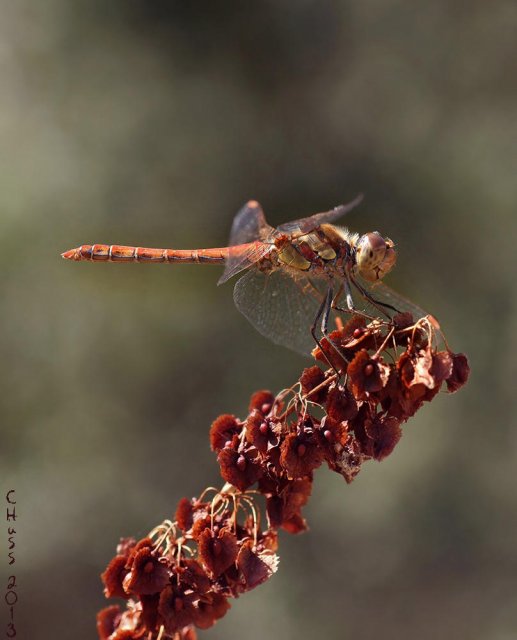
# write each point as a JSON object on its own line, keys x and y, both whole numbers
{"x": 70, "y": 255}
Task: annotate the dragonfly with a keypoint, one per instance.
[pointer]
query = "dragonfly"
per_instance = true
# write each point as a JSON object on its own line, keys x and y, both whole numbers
{"x": 298, "y": 277}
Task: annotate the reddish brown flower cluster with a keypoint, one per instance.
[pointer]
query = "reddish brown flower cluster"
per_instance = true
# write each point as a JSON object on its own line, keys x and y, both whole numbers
{"x": 386, "y": 372}
{"x": 182, "y": 575}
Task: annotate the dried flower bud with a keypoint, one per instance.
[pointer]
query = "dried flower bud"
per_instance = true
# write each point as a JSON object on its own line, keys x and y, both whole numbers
{"x": 113, "y": 578}
{"x": 107, "y": 621}
{"x": 341, "y": 404}
{"x": 367, "y": 375}
{"x": 148, "y": 574}
{"x": 261, "y": 401}
{"x": 185, "y": 514}
{"x": 311, "y": 378}
{"x": 192, "y": 574}
{"x": 222, "y": 431}
{"x": 217, "y": 552}
{"x": 384, "y": 433}
{"x": 255, "y": 566}
{"x": 259, "y": 431}
{"x": 460, "y": 372}
{"x": 239, "y": 466}
{"x": 300, "y": 455}
{"x": 210, "y": 608}
{"x": 176, "y": 608}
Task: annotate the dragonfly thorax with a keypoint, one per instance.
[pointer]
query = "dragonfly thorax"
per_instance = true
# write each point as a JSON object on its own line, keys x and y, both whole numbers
{"x": 375, "y": 256}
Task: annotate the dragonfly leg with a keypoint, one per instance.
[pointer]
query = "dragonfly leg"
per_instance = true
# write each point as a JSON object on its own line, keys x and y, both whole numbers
{"x": 319, "y": 313}
{"x": 350, "y": 306}
{"x": 329, "y": 298}
{"x": 348, "y": 296}
{"x": 324, "y": 313}
{"x": 376, "y": 303}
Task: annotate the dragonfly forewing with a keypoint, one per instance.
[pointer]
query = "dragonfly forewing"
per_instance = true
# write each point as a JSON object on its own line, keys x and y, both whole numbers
{"x": 280, "y": 307}
{"x": 283, "y": 308}
{"x": 306, "y": 225}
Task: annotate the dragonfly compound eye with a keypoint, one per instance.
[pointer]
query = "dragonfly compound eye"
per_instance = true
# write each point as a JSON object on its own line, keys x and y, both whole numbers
{"x": 375, "y": 256}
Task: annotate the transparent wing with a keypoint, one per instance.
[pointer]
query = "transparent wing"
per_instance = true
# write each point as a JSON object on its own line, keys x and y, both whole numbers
{"x": 249, "y": 226}
{"x": 305, "y": 225}
{"x": 280, "y": 307}
{"x": 381, "y": 293}
{"x": 283, "y": 308}
{"x": 243, "y": 256}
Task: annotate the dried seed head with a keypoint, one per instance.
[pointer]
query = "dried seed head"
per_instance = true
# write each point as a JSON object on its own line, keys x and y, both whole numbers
{"x": 148, "y": 574}
{"x": 113, "y": 578}
{"x": 185, "y": 514}
{"x": 107, "y": 621}
{"x": 367, "y": 375}
{"x": 460, "y": 372}
{"x": 311, "y": 378}
{"x": 181, "y": 576}
{"x": 300, "y": 455}
{"x": 217, "y": 552}
{"x": 261, "y": 401}
{"x": 222, "y": 431}
{"x": 240, "y": 466}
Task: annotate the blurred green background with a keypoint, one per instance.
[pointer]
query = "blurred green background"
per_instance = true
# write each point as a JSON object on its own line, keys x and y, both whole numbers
{"x": 151, "y": 123}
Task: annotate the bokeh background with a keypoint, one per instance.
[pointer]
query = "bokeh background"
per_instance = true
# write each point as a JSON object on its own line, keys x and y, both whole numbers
{"x": 150, "y": 123}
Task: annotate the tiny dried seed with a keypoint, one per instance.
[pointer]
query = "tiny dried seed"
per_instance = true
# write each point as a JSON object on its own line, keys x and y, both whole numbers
{"x": 265, "y": 408}
{"x": 328, "y": 435}
{"x": 369, "y": 369}
{"x": 301, "y": 450}
{"x": 263, "y": 428}
{"x": 358, "y": 332}
{"x": 241, "y": 463}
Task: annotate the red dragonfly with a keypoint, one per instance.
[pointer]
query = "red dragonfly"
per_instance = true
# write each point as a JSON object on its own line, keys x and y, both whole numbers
{"x": 297, "y": 276}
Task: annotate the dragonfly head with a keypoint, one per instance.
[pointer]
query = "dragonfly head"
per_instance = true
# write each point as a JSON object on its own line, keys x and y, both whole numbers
{"x": 375, "y": 256}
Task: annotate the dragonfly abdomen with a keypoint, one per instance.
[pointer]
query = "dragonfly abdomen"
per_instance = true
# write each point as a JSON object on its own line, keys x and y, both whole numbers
{"x": 118, "y": 253}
